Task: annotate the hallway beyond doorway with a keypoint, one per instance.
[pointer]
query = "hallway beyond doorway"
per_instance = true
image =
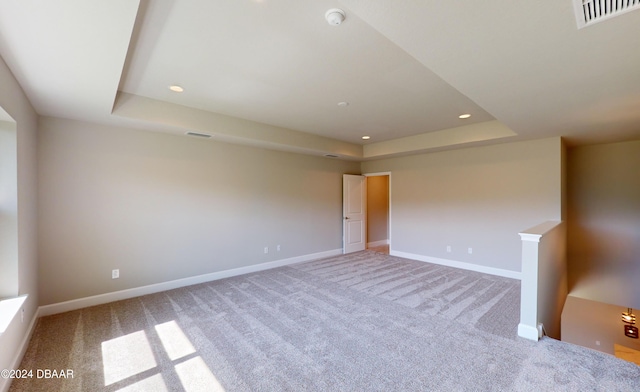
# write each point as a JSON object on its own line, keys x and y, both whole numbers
{"x": 380, "y": 249}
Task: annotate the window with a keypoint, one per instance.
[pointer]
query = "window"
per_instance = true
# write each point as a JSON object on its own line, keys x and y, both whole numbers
{"x": 8, "y": 207}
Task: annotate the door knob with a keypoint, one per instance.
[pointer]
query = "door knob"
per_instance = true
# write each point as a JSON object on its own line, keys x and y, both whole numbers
{"x": 346, "y": 217}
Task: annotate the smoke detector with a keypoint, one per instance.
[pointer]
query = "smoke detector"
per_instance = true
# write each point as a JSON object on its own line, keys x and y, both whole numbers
{"x": 335, "y": 16}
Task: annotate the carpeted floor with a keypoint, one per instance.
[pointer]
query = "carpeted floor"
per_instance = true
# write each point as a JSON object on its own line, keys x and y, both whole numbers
{"x": 359, "y": 322}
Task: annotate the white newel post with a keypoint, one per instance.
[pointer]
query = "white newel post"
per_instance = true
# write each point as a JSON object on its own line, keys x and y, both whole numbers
{"x": 528, "y": 327}
{"x": 533, "y": 254}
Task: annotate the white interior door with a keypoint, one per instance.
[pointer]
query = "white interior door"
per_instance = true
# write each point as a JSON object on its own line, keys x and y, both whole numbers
{"x": 354, "y": 207}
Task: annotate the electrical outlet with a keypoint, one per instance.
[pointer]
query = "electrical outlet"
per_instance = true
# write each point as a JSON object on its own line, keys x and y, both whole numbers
{"x": 470, "y": 250}
{"x": 115, "y": 274}
{"x": 278, "y": 248}
{"x": 597, "y": 342}
{"x": 22, "y": 316}
{"x": 448, "y": 248}
{"x": 266, "y": 250}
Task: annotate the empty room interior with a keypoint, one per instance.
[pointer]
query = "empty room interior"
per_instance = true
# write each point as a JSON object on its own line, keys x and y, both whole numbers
{"x": 319, "y": 195}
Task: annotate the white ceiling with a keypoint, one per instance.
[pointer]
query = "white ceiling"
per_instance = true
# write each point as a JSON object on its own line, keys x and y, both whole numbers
{"x": 271, "y": 72}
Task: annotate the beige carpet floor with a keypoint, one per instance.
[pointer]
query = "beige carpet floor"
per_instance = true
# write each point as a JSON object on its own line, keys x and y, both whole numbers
{"x": 359, "y": 322}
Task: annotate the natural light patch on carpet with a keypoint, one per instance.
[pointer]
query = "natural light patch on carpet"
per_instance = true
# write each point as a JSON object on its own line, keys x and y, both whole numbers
{"x": 174, "y": 341}
{"x": 195, "y": 376}
{"x": 126, "y": 356}
{"x": 154, "y": 383}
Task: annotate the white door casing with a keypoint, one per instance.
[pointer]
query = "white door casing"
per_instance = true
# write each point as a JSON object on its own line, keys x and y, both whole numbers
{"x": 354, "y": 207}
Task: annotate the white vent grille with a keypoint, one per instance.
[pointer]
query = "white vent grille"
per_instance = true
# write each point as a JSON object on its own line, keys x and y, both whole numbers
{"x": 589, "y": 12}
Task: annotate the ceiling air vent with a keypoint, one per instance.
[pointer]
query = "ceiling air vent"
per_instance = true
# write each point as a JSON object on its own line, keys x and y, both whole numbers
{"x": 196, "y": 134}
{"x": 589, "y": 12}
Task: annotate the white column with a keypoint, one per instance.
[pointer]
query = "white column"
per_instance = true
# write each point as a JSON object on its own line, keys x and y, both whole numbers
{"x": 532, "y": 243}
{"x": 528, "y": 327}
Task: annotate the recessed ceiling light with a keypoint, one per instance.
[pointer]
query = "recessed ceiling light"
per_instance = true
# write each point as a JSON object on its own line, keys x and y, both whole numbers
{"x": 175, "y": 88}
{"x": 343, "y": 104}
{"x": 366, "y": 137}
{"x": 466, "y": 115}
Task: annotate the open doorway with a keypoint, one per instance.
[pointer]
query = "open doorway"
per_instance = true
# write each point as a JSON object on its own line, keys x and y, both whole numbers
{"x": 378, "y": 212}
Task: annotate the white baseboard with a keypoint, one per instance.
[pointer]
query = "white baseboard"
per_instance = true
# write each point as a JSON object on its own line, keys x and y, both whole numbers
{"x": 530, "y": 332}
{"x": 5, "y": 383}
{"x": 100, "y": 299}
{"x": 460, "y": 264}
{"x": 377, "y": 243}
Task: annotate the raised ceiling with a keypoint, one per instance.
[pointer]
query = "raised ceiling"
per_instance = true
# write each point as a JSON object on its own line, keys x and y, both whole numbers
{"x": 271, "y": 73}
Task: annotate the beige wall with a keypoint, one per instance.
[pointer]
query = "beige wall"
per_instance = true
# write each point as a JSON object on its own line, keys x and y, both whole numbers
{"x": 377, "y": 208}
{"x": 16, "y": 104}
{"x": 604, "y": 223}
{"x": 161, "y": 207}
{"x": 478, "y": 198}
